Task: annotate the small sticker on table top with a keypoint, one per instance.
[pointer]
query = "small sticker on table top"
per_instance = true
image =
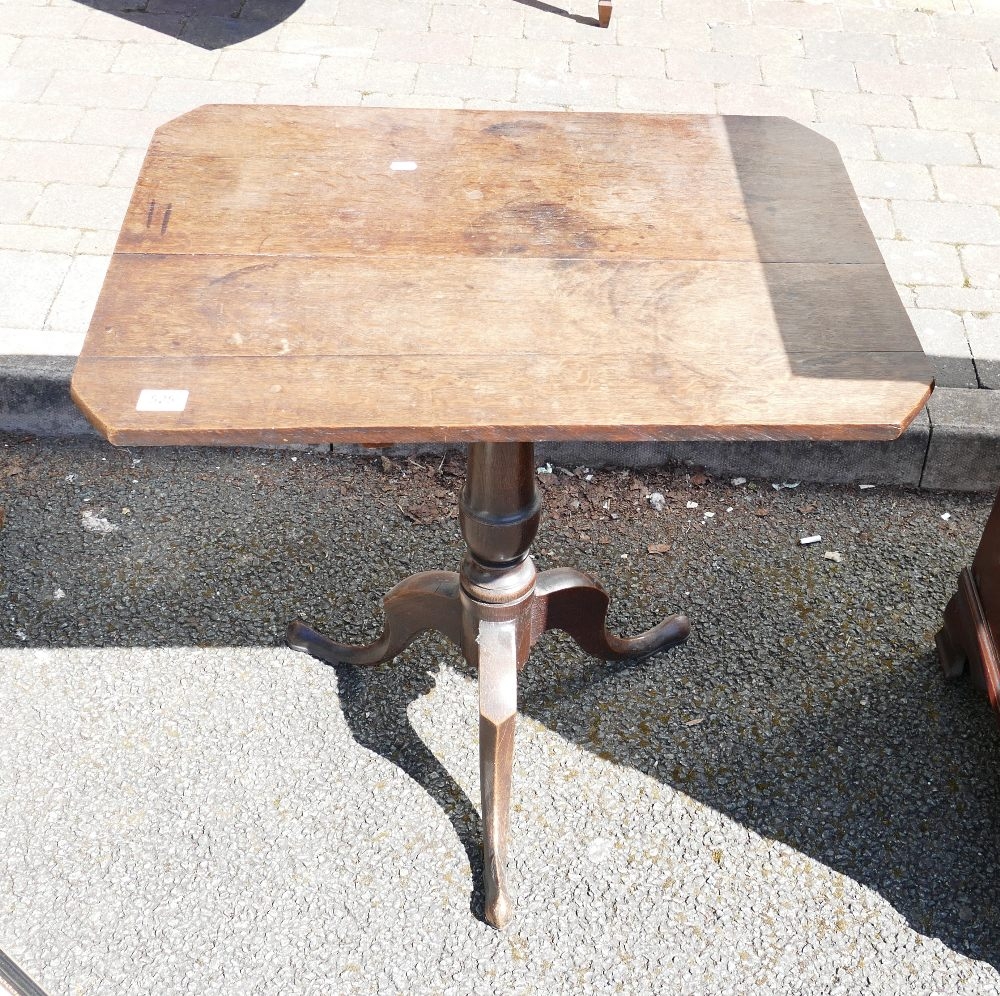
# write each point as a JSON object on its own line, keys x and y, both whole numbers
{"x": 403, "y": 166}
{"x": 161, "y": 401}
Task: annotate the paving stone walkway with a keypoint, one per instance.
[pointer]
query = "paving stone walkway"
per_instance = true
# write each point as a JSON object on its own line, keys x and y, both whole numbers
{"x": 909, "y": 91}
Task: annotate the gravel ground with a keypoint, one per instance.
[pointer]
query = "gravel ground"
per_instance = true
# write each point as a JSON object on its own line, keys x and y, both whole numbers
{"x": 793, "y": 802}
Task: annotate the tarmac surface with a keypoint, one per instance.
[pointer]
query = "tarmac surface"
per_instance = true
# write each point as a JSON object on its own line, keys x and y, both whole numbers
{"x": 792, "y": 802}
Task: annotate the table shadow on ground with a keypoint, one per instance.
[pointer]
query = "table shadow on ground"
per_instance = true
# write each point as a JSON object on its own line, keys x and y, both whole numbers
{"x": 547, "y": 8}
{"x": 208, "y": 24}
{"x": 826, "y": 724}
{"x": 902, "y": 817}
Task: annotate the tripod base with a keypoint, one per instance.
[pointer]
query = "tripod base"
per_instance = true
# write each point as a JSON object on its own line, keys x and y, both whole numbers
{"x": 494, "y": 610}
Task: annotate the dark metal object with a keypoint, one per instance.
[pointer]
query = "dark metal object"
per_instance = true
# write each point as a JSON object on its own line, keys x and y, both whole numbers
{"x": 494, "y": 610}
{"x": 14, "y": 981}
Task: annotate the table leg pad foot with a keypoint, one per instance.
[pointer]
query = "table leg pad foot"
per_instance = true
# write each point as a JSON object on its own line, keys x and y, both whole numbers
{"x": 500, "y": 911}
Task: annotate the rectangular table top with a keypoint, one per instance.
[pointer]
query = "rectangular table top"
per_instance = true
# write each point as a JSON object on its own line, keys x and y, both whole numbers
{"x": 321, "y": 274}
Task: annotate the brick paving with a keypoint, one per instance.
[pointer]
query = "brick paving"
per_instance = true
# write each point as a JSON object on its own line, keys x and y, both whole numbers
{"x": 909, "y": 91}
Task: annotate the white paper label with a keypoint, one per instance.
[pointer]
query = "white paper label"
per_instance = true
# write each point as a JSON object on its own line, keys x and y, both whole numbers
{"x": 162, "y": 401}
{"x": 403, "y": 165}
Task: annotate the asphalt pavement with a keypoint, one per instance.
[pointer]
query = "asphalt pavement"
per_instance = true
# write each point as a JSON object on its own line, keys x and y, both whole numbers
{"x": 792, "y": 802}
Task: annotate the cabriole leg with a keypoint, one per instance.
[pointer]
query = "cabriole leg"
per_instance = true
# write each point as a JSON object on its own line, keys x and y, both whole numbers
{"x": 497, "y": 714}
{"x": 424, "y": 601}
{"x": 574, "y": 602}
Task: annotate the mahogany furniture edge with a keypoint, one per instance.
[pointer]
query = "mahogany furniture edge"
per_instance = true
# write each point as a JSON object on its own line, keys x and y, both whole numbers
{"x": 967, "y": 642}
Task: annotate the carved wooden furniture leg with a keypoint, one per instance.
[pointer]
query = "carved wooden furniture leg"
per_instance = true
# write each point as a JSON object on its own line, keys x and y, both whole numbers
{"x": 965, "y": 642}
{"x": 574, "y": 602}
{"x": 495, "y": 608}
{"x": 603, "y": 12}
{"x": 424, "y": 601}
{"x": 971, "y": 633}
{"x": 497, "y": 652}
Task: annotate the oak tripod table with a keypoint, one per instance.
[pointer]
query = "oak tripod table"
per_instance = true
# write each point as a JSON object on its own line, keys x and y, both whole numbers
{"x": 321, "y": 275}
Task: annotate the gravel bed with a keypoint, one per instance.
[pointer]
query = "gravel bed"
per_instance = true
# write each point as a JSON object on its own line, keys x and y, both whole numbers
{"x": 793, "y": 802}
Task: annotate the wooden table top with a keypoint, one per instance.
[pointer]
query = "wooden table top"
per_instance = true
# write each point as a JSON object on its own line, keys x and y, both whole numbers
{"x": 320, "y": 274}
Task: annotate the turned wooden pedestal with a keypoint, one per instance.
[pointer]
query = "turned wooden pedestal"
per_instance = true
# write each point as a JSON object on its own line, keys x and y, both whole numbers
{"x": 968, "y": 641}
{"x": 494, "y": 609}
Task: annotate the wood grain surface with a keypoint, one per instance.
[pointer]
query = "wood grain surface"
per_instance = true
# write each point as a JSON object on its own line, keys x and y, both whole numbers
{"x": 378, "y": 275}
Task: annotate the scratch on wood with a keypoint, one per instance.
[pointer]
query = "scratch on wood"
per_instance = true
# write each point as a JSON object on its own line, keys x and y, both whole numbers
{"x": 166, "y": 219}
{"x": 150, "y": 213}
{"x": 243, "y": 269}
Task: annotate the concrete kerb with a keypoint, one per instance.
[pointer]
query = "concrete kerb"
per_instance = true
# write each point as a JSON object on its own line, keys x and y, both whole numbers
{"x": 954, "y": 445}
{"x": 963, "y": 453}
{"x": 34, "y": 397}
